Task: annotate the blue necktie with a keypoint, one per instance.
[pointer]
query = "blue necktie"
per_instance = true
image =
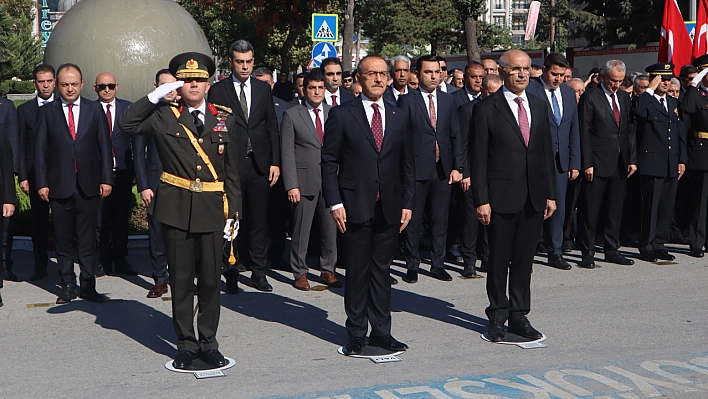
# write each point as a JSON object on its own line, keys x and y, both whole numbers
{"x": 556, "y": 107}
{"x": 45, "y": 102}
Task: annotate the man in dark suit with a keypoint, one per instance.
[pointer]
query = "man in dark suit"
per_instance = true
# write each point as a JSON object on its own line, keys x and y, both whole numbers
{"x": 278, "y": 206}
{"x": 695, "y": 107}
{"x": 74, "y": 169}
{"x": 368, "y": 182}
{"x": 399, "y": 68}
{"x": 514, "y": 189}
{"x": 8, "y": 117}
{"x": 27, "y": 116}
{"x": 198, "y": 194}
{"x": 435, "y": 130}
{"x": 608, "y": 157}
{"x": 148, "y": 169}
{"x": 332, "y": 71}
{"x": 114, "y": 211}
{"x": 258, "y": 148}
{"x": 686, "y": 75}
{"x": 565, "y": 138}
{"x": 7, "y": 181}
{"x": 472, "y": 90}
{"x": 442, "y": 80}
{"x": 661, "y": 160}
{"x": 298, "y": 90}
{"x": 301, "y": 138}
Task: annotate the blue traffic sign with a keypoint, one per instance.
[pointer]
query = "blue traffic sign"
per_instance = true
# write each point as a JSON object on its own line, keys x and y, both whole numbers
{"x": 324, "y": 27}
{"x": 321, "y": 51}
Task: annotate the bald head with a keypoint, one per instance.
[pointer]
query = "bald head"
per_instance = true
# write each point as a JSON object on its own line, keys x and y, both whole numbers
{"x": 106, "y": 87}
{"x": 515, "y": 69}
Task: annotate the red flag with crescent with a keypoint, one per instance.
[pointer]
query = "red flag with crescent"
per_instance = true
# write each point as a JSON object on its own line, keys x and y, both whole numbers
{"x": 700, "y": 38}
{"x": 675, "y": 45}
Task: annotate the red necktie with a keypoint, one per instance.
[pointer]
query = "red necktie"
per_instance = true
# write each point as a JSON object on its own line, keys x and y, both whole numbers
{"x": 377, "y": 130}
{"x": 334, "y": 101}
{"x": 615, "y": 110}
{"x": 72, "y": 127}
{"x": 318, "y": 124}
{"x": 523, "y": 121}
{"x": 110, "y": 126}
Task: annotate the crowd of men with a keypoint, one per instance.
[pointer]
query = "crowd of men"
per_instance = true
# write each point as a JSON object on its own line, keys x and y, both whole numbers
{"x": 493, "y": 163}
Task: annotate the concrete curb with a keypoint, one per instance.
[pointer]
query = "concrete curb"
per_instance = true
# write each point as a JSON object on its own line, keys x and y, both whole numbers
{"x": 24, "y": 243}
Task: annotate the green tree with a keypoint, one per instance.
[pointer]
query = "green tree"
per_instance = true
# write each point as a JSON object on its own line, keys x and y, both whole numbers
{"x": 469, "y": 11}
{"x": 604, "y": 22}
{"x": 24, "y": 52}
{"x": 492, "y": 37}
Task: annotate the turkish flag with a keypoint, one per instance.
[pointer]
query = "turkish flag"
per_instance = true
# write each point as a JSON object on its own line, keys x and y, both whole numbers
{"x": 700, "y": 39}
{"x": 675, "y": 45}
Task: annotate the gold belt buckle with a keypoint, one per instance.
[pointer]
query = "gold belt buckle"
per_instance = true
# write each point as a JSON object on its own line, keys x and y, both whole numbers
{"x": 196, "y": 186}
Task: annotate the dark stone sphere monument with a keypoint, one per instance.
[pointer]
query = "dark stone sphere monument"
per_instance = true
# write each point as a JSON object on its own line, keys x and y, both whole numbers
{"x": 132, "y": 39}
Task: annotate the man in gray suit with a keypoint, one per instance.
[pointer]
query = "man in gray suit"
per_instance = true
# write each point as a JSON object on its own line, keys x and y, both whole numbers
{"x": 302, "y": 134}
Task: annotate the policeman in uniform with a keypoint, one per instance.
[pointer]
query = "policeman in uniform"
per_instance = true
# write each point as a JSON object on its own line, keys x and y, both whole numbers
{"x": 661, "y": 140}
{"x": 695, "y": 110}
{"x": 199, "y": 193}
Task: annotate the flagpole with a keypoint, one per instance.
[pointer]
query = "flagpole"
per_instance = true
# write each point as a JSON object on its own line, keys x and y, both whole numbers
{"x": 692, "y": 10}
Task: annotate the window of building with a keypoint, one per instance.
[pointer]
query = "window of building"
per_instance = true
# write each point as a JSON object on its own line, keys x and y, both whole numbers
{"x": 499, "y": 21}
{"x": 522, "y": 4}
{"x": 500, "y": 4}
{"x": 518, "y": 23}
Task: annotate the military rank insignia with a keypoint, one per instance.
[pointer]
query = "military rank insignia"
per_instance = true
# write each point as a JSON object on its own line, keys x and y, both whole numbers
{"x": 221, "y": 149}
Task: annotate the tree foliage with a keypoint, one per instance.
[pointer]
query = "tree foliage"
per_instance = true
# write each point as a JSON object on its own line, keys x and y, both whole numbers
{"x": 21, "y": 51}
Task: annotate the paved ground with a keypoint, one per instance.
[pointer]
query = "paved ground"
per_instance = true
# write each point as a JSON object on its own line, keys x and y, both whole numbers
{"x": 614, "y": 332}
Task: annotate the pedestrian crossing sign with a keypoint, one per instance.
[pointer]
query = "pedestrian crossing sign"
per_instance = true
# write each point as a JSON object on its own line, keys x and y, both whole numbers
{"x": 324, "y": 27}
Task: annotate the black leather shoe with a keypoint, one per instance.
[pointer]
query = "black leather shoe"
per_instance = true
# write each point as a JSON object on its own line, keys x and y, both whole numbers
{"x": 619, "y": 259}
{"x": 394, "y": 281}
{"x": 588, "y": 262}
{"x": 261, "y": 284}
{"x": 68, "y": 292}
{"x": 213, "y": 358}
{"x": 99, "y": 271}
{"x": 469, "y": 272}
{"x": 38, "y": 275}
{"x": 520, "y": 326}
{"x": 484, "y": 267}
{"x": 664, "y": 255}
{"x": 440, "y": 274}
{"x": 9, "y": 275}
{"x": 696, "y": 253}
{"x": 354, "y": 346}
{"x": 496, "y": 332}
{"x": 91, "y": 295}
{"x": 558, "y": 262}
{"x": 123, "y": 267}
{"x": 387, "y": 342}
{"x": 648, "y": 256}
{"x": 184, "y": 360}
{"x": 411, "y": 277}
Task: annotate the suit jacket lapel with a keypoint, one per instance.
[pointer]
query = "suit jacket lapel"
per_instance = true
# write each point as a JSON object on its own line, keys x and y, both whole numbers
{"x": 58, "y": 108}
{"x": 502, "y": 105}
{"x": 357, "y": 110}
{"x": 390, "y": 115}
{"x": 187, "y": 120}
{"x": 209, "y": 122}
{"x": 423, "y": 106}
{"x": 656, "y": 104}
{"x": 307, "y": 120}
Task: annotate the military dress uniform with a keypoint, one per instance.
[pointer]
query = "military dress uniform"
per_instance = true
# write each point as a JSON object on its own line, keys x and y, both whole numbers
{"x": 189, "y": 202}
{"x": 695, "y": 109}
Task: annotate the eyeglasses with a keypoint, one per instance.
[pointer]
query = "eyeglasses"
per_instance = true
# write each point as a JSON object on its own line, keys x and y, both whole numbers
{"x": 444, "y": 68}
{"x": 519, "y": 69}
{"x": 333, "y": 73}
{"x": 102, "y": 86}
{"x": 378, "y": 74}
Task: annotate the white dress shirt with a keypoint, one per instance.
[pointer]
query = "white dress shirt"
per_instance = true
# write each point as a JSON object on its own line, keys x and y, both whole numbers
{"x": 113, "y": 111}
{"x": 658, "y": 98}
{"x": 328, "y": 96}
{"x": 559, "y": 96}
{"x": 246, "y": 89}
{"x": 75, "y": 111}
{"x": 471, "y": 96}
{"x": 511, "y": 99}
{"x": 397, "y": 93}
{"x": 313, "y": 116}
{"x": 202, "y": 109}
{"x": 40, "y": 102}
{"x": 426, "y": 100}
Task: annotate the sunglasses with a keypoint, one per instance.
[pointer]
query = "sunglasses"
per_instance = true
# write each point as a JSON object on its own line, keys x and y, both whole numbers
{"x": 347, "y": 80}
{"x": 102, "y": 86}
{"x": 444, "y": 68}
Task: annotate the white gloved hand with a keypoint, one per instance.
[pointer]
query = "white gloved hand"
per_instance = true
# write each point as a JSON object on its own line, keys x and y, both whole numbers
{"x": 164, "y": 90}
{"x": 231, "y": 229}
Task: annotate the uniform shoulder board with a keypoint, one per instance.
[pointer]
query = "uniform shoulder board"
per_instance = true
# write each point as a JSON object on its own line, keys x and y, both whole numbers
{"x": 223, "y": 108}
{"x": 174, "y": 104}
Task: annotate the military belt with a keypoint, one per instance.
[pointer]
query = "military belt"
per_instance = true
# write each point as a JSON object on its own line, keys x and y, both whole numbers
{"x": 195, "y": 186}
{"x": 700, "y": 135}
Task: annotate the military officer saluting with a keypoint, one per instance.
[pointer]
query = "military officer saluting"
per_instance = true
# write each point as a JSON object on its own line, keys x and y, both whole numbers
{"x": 199, "y": 193}
{"x": 661, "y": 140}
{"x": 695, "y": 110}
